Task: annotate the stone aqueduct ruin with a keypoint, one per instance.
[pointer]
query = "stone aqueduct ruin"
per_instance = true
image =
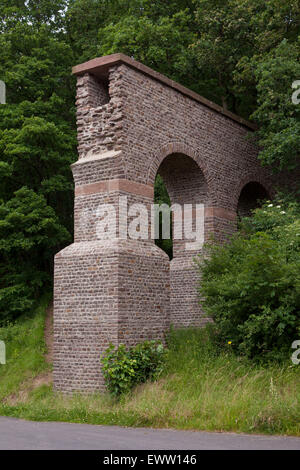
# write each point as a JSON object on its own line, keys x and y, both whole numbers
{"x": 132, "y": 124}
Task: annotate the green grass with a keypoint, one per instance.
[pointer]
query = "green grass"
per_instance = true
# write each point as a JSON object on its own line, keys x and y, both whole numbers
{"x": 201, "y": 389}
{"x": 25, "y": 351}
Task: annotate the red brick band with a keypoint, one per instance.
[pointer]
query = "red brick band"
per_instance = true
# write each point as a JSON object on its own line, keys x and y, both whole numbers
{"x": 220, "y": 213}
{"x": 115, "y": 185}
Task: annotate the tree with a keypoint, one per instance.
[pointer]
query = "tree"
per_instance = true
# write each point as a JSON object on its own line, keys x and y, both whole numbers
{"x": 278, "y": 117}
{"x": 243, "y": 54}
{"x": 30, "y": 233}
{"x": 37, "y": 145}
{"x": 248, "y": 55}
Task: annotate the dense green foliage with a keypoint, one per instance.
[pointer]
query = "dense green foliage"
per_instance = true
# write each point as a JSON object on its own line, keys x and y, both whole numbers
{"x": 243, "y": 54}
{"x": 252, "y": 285}
{"x": 30, "y": 232}
{"x": 37, "y": 146}
{"x": 124, "y": 368}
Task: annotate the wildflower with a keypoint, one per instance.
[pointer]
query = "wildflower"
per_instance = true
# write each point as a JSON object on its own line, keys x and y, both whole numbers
{"x": 229, "y": 342}
{"x": 270, "y": 205}
{"x": 282, "y": 212}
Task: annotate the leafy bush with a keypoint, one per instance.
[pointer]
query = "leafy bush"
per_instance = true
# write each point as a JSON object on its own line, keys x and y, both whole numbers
{"x": 251, "y": 287}
{"x": 271, "y": 216}
{"x": 124, "y": 368}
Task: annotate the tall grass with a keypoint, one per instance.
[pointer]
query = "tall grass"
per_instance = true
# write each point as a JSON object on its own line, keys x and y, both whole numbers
{"x": 201, "y": 388}
{"x": 25, "y": 350}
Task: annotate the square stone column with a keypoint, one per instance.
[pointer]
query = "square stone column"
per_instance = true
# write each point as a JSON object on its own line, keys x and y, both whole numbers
{"x": 108, "y": 288}
{"x": 131, "y": 124}
{"x": 112, "y": 291}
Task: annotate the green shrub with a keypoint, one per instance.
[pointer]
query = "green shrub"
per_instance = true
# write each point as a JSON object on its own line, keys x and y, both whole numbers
{"x": 251, "y": 287}
{"x": 124, "y": 368}
{"x": 271, "y": 216}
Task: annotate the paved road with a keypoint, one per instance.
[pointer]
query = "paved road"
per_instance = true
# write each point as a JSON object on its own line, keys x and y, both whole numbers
{"x": 27, "y": 435}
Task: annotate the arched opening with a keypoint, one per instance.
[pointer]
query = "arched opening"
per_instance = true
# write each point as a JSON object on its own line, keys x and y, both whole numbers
{"x": 179, "y": 181}
{"x": 161, "y": 196}
{"x": 251, "y": 197}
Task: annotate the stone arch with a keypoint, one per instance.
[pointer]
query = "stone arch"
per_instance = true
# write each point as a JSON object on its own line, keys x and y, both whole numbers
{"x": 255, "y": 178}
{"x": 173, "y": 148}
{"x": 250, "y": 194}
{"x": 186, "y": 186}
{"x": 125, "y": 290}
{"x": 187, "y": 181}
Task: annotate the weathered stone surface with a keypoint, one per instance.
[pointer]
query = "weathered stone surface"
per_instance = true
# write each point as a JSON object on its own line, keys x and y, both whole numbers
{"x": 105, "y": 292}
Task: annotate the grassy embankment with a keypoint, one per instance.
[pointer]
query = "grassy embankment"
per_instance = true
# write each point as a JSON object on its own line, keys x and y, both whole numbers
{"x": 200, "y": 390}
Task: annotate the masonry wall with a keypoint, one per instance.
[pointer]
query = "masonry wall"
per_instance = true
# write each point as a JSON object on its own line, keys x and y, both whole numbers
{"x": 111, "y": 291}
{"x": 130, "y": 127}
{"x": 162, "y": 127}
{"x": 85, "y": 284}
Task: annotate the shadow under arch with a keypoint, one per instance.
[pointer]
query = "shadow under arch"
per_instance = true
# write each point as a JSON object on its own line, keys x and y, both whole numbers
{"x": 257, "y": 179}
{"x": 186, "y": 187}
{"x": 251, "y": 196}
